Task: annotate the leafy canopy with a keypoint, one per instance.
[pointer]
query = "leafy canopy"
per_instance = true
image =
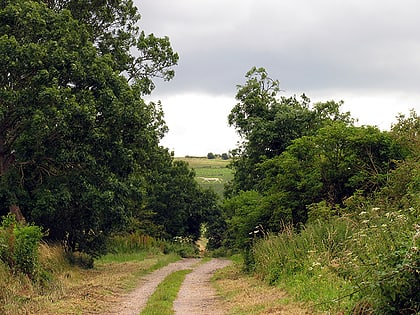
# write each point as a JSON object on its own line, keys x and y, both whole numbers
{"x": 79, "y": 147}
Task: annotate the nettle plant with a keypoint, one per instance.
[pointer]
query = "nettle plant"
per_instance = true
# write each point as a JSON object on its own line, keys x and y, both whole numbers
{"x": 384, "y": 261}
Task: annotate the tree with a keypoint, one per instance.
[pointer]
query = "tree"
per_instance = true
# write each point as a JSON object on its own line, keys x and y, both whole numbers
{"x": 113, "y": 28}
{"x": 76, "y": 138}
{"x": 328, "y": 167}
{"x": 268, "y": 124}
{"x": 180, "y": 205}
{"x": 407, "y": 131}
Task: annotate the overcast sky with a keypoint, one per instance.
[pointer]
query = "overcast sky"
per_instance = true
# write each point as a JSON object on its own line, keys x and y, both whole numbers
{"x": 366, "y": 53}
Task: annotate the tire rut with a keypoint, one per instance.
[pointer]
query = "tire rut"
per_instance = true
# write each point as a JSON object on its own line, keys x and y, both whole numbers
{"x": 196, "y": 295}
{"x": 134, "y": 303}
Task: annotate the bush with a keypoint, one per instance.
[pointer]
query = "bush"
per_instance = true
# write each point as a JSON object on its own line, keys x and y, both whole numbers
{"x": 132, "y": 242}
{"x": 182, "y": 246}
{"x": 19, "y": 245}
{"x": 373, "y": 256}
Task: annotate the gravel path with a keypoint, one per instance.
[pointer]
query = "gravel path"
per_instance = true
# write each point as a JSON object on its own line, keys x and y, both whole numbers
{"x": 136, "y": 300}
{"x": 196, "y": 296}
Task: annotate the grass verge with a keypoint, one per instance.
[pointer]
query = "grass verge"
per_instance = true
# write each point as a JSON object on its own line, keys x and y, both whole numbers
{"x": 73, "y": 290}
{"x": 244, "y": 294}
{"x": 96, "y": 290}
{"x": 161, "y": 301}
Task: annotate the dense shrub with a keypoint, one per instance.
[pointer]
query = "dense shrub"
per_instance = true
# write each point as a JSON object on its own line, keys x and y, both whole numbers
{"x": 373, "y": 256}
{"x": 182, "y": 246}
{"x": 19, "y": 245}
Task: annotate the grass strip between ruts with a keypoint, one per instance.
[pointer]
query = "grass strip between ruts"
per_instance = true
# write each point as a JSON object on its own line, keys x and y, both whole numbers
{"x": 161, "y": 301}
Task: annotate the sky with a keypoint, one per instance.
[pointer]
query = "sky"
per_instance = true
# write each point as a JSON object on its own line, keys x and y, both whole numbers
{"x": 365, "y": 53}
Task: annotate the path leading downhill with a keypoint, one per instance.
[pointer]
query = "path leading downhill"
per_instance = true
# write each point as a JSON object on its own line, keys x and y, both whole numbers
{"x": 197, "y": 296}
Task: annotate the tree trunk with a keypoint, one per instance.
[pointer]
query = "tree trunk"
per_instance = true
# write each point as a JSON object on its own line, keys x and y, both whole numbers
{"x": 5, "y": 163}
{"x": 15, "y": 210}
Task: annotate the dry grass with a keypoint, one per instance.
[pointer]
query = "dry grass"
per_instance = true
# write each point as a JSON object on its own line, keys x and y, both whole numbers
{"x": 72, "y": 290}
{"x": 243, "y": 294}
{"x": 96, "y": 291}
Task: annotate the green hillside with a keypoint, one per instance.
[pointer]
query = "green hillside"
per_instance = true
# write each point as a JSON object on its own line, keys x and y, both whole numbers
{"x": 210, "y": 173}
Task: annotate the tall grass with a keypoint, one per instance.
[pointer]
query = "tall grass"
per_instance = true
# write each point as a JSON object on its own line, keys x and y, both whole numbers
{"x": 365, "y": 263}
{"x": 304, "y": 263}
{"x": 133, "y": 242}
{"x": 137, "y": 242}
{"x": 20, "y": 294}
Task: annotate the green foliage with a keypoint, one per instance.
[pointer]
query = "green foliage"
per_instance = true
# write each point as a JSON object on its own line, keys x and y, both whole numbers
{"x": 19, "y": 246}
{"x": 315, "y": 174}
{"x": 387, "y": 262}
{"x": 243, "y": 218}
{"x": 136, "y": 242}
{"x": 211, "y": 156}
{"x": 370, "y": 254}
{"x": 268, "y": 125}
{"x": 182, "y": 246}
{"x": 178, "y": 202}
{"x": 344, "y": 199}
{"x": 132, "y": 242}
{"x": 406, "y": 131}
{"x": 79, "y": 146}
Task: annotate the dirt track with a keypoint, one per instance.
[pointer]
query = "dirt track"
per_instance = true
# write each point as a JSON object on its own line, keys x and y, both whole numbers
{"x": 196, "y": 295}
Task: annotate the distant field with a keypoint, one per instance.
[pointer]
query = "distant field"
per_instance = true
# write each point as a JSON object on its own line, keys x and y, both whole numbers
{"x": 212, "y": 173}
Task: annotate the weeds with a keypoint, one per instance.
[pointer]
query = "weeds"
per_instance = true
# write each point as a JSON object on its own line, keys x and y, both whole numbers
{"x": 365, "y": 262}
{"x": 19, "y": 246}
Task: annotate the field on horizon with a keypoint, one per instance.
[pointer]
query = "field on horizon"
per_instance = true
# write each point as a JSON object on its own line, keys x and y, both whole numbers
{"x": 210, "y": 173}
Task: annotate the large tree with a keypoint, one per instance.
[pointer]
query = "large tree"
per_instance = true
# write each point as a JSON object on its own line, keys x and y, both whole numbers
{"x": 76, "y": 138}
{"x": 268, "y": 124}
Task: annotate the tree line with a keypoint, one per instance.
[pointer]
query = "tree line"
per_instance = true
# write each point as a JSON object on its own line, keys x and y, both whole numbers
{"x": 79, "y": 146}
{"x": 300, "y": 161}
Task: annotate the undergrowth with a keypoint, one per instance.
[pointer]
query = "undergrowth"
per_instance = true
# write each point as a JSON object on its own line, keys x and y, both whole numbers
{"x": 365, "y": 261}
{"x": 35, "y": 275}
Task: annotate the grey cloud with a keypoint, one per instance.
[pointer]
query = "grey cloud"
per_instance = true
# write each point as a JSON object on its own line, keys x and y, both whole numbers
{"x": 307, "y": 45}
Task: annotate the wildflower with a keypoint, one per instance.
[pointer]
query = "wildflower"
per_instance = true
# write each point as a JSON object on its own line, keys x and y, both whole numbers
{"x": 375, "y": 209}
{"x": 416, "y": 236}
{"x": 384, "y": 225}
{"x": 362, "y": 213}
{"x": 365, "y": 221}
